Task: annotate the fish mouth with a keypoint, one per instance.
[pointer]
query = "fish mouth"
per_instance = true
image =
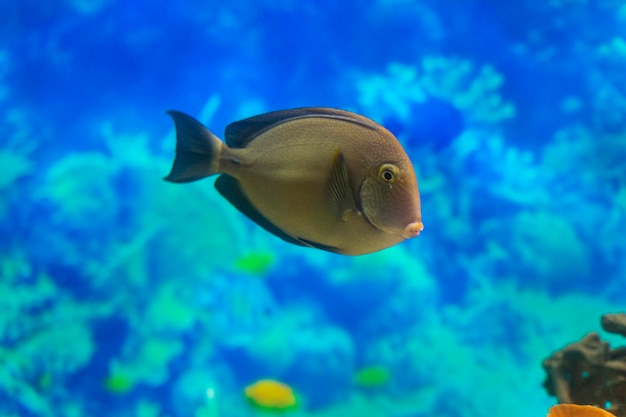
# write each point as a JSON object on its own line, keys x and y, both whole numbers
{"x": 413, "y": 229}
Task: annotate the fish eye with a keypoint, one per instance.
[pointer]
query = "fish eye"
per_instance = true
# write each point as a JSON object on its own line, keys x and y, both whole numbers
{"x": 388, "y": 173}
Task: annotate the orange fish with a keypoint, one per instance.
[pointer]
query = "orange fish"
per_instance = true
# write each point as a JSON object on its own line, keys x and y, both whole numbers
{"x": 575, "y": 410}
{"x": 271, "y": 394}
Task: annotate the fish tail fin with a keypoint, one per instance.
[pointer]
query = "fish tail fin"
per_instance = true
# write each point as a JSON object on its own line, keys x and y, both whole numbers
{"x": 197, "y": 150}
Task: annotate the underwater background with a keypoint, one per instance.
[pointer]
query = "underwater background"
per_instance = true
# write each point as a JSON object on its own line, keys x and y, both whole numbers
{"x": 124, "y": 295}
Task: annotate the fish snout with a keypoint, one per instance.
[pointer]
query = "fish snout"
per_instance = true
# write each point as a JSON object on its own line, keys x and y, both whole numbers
{"x": 413, "y": 229}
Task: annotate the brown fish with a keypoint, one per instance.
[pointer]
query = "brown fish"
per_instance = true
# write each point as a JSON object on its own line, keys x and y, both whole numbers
{"x": 317, "y": 177}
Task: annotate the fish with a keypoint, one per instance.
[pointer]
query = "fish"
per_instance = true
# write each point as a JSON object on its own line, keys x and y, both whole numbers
{"x": 271, "y": 394}
{"x": 118, "y": 383}
{"x": 372, "y": 376}
{"x": 575, "y": 410}
{"x": 315, "y": 176}
{"x": 255, "y": 263}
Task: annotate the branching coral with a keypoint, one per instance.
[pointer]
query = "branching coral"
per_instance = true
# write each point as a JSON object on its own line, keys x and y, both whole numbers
{"x": 589, "y": 371}
{"x": 471, "y": 88}
{"x": 15, "y": 165}
{"x": 15, "y": 160}
{"x": 44, "y": 337}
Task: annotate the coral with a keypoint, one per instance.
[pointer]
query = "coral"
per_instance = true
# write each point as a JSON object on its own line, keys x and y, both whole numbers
{"x": 583, "y": 155}
{"x": 16, "y": 159}
{"x": 472, "y": 89}
{"x": 541, "y": 254}
{"x": 355, "y": 405}
{"x": 146, "y": 361}
{"x": 16, "y": 165}
{"x": 45, "y": 338}
{"x": 509, "y": 330}
{"x": 614, "y": 323}
{"x": 79, "y": 191}
{"x": 241, "y": 309}
{"x": 589, "y": 371}
{"x": 298, "y": 344}
{"x": 123, "y": 295}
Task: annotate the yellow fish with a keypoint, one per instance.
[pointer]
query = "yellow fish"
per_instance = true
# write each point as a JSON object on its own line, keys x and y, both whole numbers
{"x": 271, "y": 394}
{"x": 574, "y": 410}
{"x": 316, "y": 177}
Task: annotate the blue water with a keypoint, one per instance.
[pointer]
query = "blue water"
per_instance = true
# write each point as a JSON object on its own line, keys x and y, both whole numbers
{"x": 124, "y": 295}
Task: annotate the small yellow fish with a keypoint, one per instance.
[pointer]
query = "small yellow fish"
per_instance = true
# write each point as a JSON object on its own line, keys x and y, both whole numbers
{"x": 271, "y": 394}
{"x": 574, "y": 410}
{"x": 315, "y": 176}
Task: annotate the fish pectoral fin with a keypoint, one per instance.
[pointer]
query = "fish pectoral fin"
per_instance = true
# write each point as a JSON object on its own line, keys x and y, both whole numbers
{"x": 230, "y": 188}
{"x": 349, "y": 213}
{"x": 339, "y": 192}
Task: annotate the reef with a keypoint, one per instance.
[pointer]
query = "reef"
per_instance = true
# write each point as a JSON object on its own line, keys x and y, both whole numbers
{"x": 589, "y": 371}
{"x": 124, "y": 295}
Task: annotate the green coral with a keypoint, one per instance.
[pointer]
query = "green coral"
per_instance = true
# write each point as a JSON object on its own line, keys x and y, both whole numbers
{"x": 45, "y": 337}
{"x": 15, "y": 165}
{"x": 15, "y": 156}
{"x": 167, "y": 311}
{"x": 147, "y": 361}
{"x": 79, "y": 189}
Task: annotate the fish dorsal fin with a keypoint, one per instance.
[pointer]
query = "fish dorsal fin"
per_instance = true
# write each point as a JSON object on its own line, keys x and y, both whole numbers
{"x": 339, "y": 191}
{"x": 239, "y": 134}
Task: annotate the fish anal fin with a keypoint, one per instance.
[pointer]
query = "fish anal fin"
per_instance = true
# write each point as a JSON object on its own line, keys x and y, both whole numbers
{"x": 339, "y": 191}
{"x": 230, "y": 189}
{"x": 321, "y": 246}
